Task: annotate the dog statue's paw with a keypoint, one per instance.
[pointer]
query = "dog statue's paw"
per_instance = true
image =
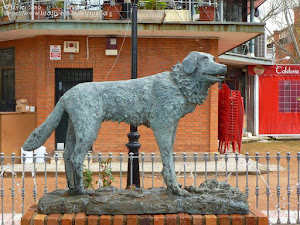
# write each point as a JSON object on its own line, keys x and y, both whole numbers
{"x": 181, "y": 192}
{"x": 71, "y": 192}
{"x": 84, "y": 192}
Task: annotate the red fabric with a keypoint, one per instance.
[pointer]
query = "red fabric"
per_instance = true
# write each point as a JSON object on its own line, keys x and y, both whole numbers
{"x": 271, "y": 120}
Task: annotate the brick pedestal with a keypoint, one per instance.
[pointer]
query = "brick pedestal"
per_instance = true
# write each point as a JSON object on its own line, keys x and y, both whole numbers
{"x": 31, "y": 217}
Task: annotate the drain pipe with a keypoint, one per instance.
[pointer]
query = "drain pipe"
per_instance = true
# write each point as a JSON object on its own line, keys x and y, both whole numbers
{"x": 251, "y": 21}
{"x": 32, "y": 9}
{"x": 221, "y": 11}
{"x": 87, "y": 44}
{"x": 256, "y": 105}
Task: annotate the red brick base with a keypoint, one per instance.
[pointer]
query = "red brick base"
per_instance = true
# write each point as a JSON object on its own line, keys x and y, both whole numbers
{"x": 255, "y": 217}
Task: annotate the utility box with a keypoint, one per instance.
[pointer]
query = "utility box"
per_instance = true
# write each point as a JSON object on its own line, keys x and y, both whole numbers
{"x": 71, "y": 46}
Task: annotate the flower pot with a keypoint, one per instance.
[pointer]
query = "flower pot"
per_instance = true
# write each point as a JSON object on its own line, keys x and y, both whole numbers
{"x": 40, "y": 11}
{"x": 56, "y": 13}
{"x": 112, "y": 12}
{"x": 206, "y": 13}
{"x": 151, "y": 15}
{"x": 4, "y": 19}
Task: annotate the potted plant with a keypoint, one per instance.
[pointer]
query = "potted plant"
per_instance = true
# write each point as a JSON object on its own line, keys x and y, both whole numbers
{"x": 112, "y": 10}
{"x": 3, "y": 14}
{"x": 152, "y": 10}
{"x": 206, "y": 10}
{"x": 40, "y": 11}
{"x": 56, "y": 11}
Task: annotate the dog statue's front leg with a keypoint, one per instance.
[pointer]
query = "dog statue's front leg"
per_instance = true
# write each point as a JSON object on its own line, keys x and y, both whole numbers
{"x": 165, "y": 141}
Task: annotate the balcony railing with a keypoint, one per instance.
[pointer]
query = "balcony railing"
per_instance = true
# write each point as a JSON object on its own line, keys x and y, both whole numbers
{"x": 259, "y": 48}
{"x": 149, "y": 10}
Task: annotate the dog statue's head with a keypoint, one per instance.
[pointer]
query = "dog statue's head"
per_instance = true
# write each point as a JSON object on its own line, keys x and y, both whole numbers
{"x": 204, "y": 65}
{"x": 196, "y": 74}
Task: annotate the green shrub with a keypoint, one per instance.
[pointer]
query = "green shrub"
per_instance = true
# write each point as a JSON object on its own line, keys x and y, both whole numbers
{"x": 154, "y": 5}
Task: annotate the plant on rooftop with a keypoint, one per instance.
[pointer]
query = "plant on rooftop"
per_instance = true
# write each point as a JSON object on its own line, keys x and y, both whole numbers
{"x": 153, "y": 5}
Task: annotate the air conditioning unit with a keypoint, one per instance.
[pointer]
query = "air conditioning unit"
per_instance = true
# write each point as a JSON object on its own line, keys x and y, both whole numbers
{"x": 71, "y": 46}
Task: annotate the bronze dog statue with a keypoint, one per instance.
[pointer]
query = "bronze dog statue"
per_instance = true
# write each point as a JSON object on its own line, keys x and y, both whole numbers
{"x": 156, "y": 101}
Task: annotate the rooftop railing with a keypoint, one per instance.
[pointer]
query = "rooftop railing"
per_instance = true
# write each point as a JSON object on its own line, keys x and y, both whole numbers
{"x": 149, "y": 10}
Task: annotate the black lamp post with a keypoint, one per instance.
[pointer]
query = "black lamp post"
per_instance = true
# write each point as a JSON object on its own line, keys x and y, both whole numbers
{"x": 133, "y": 174}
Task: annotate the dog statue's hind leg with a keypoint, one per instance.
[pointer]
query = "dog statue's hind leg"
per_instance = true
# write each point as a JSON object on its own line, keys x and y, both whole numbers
{"x": 69, "y": 148}
{"x": 86, "y": 130}
{"x": 165, "y": 141}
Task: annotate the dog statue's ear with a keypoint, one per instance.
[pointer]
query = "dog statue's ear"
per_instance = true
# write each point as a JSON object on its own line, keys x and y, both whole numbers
{"x": 189, "y": 64}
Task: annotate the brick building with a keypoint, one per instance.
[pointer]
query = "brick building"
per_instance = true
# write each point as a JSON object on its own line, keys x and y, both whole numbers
{"x": 160, "y": 45}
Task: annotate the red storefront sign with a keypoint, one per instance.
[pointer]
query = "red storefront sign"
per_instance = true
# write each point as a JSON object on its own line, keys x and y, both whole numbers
{"x": 279, "y": 98}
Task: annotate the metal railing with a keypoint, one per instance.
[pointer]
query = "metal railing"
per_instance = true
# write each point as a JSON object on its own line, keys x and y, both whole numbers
{"x": 271, "y": 182}
{"x": 173, "y": 10}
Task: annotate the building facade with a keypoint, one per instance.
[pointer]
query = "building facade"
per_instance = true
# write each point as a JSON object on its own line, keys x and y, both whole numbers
{"x": 41, "y": 80}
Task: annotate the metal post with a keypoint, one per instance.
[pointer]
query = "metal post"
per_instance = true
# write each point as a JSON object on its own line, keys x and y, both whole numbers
{"x": 152, "y": 165}
{"x": 99, "y": 165}
{"x": 32, "y": 9}
{"x": 247, "y": 173}
{"x": 268, "y": 184}
{"x": 121, "y": 159}
{"x": 298, "y": 187}
{"x": 23, "y": 182}
{"x": 195, "y": 169}
{"x": 89, "y": 160}
{"x": 237, "y": 170}
{"x": 221, "y": 11}
{"x": 12, "y": 187}
{"x": 252, "y": 20}
{"x": 288, "y": 158}
{"x": 131, "y": 170}
{"x": 216, "y": 165}
{"x": 257, "y": 172}
{"x": 133, "y": 145}
{"x": 56, "y": 161}
{"x": 190, "y": 10}
{"x": 65, "y": 10}
{"x": 278, "y": 187}
{"x": 45, "y": 161}
{"x": 256, "y": 105}
{"x": 205, "y": 160}
{"x": 34, "y": 178}
{"x": 184, "y": 168}
{"x": 143, "y": 162}
{"x": 2, "y": 187}
{"x": 226, "y": 161}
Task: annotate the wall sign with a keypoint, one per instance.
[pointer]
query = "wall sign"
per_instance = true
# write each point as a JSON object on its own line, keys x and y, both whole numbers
{"x": 55, "y": 52}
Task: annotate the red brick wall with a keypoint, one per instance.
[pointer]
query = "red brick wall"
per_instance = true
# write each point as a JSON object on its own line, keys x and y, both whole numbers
{"x": 35, "y": 77}
{"x": 25, "y": 64}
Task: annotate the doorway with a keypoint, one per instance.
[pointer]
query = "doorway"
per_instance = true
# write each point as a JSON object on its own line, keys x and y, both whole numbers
{"x": 65, "y": 79}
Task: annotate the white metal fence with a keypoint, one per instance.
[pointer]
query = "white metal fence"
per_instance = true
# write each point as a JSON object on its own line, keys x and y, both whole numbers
{"x": 270, "y": 181}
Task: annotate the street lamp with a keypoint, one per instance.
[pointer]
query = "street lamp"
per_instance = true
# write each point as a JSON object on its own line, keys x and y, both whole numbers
{"x": 133, "y": 174}
{"x": 284, "y": 58}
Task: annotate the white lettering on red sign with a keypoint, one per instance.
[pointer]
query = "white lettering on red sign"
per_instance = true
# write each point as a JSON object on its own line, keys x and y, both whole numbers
{"x": 286, "y": 70}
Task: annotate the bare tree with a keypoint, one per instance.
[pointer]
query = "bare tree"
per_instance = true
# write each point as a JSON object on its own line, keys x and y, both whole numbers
{"x": 279, "y": 15}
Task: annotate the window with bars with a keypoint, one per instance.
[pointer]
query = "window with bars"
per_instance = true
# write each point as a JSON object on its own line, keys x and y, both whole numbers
{"x": 7, "y": 80}
{"x": 289, "y": 96}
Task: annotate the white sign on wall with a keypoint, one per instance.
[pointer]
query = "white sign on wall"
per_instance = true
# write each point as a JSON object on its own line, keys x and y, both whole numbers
{"x": 55, "y": 52}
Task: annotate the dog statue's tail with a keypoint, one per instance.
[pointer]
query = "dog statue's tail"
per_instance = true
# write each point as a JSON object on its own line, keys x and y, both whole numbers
{"x": 40, "y": 135}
